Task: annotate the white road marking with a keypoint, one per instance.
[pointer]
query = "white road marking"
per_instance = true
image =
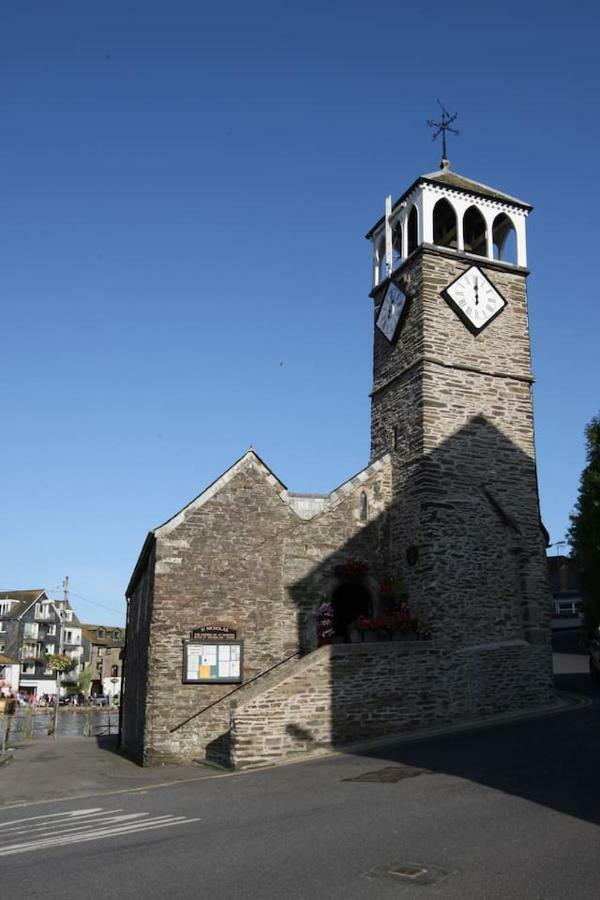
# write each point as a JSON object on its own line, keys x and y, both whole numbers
{"x": 74, "y": 814}
{"x": 78, "y": 826}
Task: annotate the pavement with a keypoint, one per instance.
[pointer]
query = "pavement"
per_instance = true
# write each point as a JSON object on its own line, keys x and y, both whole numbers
{"x": 84, "y": 767}
{"x": 503, "y": 812}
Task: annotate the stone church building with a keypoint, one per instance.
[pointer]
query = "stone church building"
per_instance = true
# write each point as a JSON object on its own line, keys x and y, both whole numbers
{"x": 222, "y": 656}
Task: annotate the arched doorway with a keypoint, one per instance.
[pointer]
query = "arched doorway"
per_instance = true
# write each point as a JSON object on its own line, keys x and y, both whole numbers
{"x": 350, "y": 600}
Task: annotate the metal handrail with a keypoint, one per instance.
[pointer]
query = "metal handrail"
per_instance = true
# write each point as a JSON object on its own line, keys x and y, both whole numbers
{"x": 229, "y": 693}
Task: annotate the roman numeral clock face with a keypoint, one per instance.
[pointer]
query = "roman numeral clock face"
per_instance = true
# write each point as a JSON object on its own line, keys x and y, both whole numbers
{"x": 474, "y": 299}
{"x": 392, "y": 308}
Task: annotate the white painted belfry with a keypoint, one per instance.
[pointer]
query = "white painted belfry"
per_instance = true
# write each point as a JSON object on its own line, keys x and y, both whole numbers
{"x": 426, "y": 192}
{"x": 425, "y": 203}
{"x": 521, "y": 242}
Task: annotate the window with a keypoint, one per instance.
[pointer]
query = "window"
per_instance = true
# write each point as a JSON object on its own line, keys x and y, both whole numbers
{"x": 2, "y": 627}
{"x": 49, "y": 649}
{"x": 43, "y": 611}
{"x": 99, "y": 666}
{"x": 5, "y": 606}
{"x": 28, "y": 669}
{"x": 364, "y": 507}
{"x": 444, "y": 224}
{"x": 115, "y": 671}
{"x": 30, "y": 630}
{"x": 52, "y": 629}
{"x": 99, "y": 652}
{"x": 2, "y": 648}
{"x": 72, "y": 636}
{"x": 116, "y": 634}
{"x": 100, "y": 632}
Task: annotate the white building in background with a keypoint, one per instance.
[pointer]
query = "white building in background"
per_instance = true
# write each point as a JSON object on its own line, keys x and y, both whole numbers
{"x": 33, "y": 627}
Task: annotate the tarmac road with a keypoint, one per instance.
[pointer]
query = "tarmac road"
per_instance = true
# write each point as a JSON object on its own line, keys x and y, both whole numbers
{"x": 510, "y": 811}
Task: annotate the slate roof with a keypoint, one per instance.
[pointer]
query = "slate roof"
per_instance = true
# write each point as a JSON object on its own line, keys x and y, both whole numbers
{"x": 461, "y": 183}
{"x": 453, "y": 179}
{"x": 7, "y": 661}
{"x": 90, "y": 632}
{"x": 24, "y": 600}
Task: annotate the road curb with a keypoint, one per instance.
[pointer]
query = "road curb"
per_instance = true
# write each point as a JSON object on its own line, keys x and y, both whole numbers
{"x": 566, "y": 702}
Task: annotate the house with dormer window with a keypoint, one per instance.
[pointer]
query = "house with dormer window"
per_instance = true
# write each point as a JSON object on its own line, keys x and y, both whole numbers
{"x": 33, "y": 627}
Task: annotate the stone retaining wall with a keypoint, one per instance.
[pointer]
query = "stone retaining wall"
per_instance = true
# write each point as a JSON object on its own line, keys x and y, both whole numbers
{"x": 344, "y": 693}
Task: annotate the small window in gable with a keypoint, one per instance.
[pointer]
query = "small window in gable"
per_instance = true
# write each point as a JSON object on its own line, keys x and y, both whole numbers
{"x": 474, "y": 232}
{"x": 364, "y": 507}
{"x": 504, "y": 239}
{"x": 444, "y": 224}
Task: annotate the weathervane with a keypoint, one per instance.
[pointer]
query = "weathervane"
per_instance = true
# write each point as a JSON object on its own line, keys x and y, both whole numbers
{"x": 442, "y": 128}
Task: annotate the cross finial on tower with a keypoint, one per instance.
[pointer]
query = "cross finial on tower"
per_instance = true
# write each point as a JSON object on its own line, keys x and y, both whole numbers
{"x": 442, "y": 128}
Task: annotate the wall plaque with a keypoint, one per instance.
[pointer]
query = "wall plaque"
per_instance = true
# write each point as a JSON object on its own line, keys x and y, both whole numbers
{"x": 210, "y": 661}
{"x": 218, "y": 632}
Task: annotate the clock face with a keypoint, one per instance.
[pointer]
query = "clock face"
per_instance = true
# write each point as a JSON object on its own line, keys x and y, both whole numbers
{"x": 392, "y": 308}
{"x": 474, "y": 299}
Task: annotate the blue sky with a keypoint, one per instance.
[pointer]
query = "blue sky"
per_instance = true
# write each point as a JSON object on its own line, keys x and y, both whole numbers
{"x": 185, "y": 190}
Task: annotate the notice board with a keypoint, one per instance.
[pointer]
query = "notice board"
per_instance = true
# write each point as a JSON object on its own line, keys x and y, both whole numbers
{"x": 212, "y": 662}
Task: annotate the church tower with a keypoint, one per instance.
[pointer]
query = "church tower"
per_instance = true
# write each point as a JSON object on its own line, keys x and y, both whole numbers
{"x": 451, "y": 403}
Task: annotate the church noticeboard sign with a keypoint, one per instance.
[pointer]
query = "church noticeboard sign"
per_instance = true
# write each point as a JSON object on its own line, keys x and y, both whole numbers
{"x": 216, "y": 632}
{"x": 209, "y": 661}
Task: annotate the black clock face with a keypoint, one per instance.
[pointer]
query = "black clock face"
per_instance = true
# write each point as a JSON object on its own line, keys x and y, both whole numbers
{"x": 474, "y": 299}
{"x": 393, "y": 306}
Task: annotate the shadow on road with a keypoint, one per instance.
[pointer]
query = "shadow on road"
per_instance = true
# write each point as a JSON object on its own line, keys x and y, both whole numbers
{"x": 551, "y": 761}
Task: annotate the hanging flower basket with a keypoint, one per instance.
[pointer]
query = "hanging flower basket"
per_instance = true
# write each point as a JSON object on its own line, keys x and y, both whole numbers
{"x": 325, "y": 630}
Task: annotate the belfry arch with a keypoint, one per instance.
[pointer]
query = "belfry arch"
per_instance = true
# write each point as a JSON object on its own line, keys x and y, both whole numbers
{"x": 444, "y": 224}
{"x": 474, "y": 232}
{"x": 504, "y": 239}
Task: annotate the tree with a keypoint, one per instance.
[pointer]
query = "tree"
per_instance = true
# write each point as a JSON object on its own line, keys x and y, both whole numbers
{"x": 84, "y": 681}
{"x": 584, "y": 533}
{"x": 60, "y": 663}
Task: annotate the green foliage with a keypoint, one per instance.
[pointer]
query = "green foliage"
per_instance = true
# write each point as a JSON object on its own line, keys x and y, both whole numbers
{"x": 584, "y": 533}
{"x": 60, "y": 663}
{"x": 84, "y": 681}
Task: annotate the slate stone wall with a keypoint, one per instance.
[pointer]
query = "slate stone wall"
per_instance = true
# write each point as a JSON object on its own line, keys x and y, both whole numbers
{"x": 245, "y": 560}
{"x": 136, "y": 664}
{"x": 464, "y": 477}
{"x": 453, "y": 510}
{"x": 346, "y": 693}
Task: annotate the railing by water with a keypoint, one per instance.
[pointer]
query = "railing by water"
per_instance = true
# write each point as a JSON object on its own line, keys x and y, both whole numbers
{"x": 27, "y": 723}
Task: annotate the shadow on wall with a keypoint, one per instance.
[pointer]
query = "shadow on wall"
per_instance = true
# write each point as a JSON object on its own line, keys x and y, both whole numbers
{"x": 467, "y": 518}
